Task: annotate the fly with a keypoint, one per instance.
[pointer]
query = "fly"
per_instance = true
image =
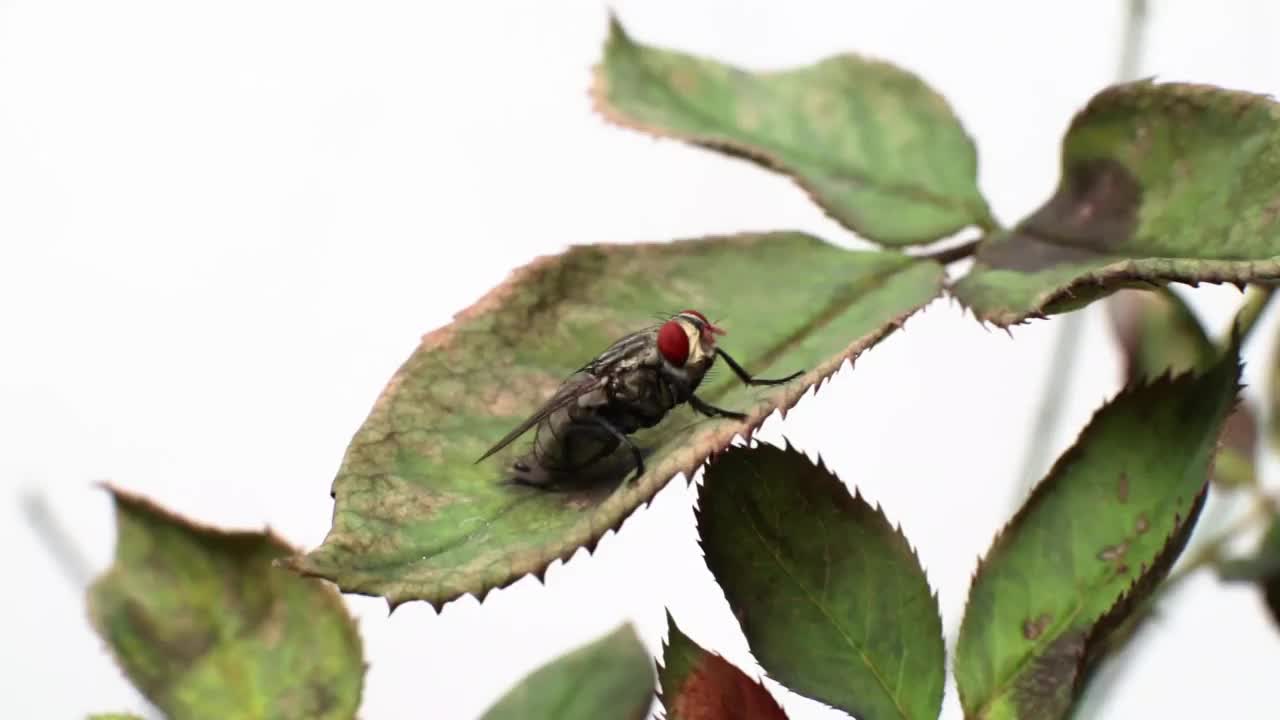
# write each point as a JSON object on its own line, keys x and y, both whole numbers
{"x": 630, "y": 386}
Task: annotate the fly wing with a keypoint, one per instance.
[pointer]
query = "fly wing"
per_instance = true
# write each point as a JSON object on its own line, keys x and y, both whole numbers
{"x": 573, "y": 388}
{"x": 631, "y": 348}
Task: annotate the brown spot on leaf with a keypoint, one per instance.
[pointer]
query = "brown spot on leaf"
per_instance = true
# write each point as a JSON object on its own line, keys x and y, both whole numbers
{"x": 396, "y": 498}
{"x": 1141, "y": 140}
{"x": 683, "y": 80}
{"x": 1093, "y": 212}
{"x": 1046, "y": 689}
{"x": 1122, "y": 488}
{"x": 1182, "y": 168}
{"x": 1114, "y": 554}
{"x": 1095, "y": 206}
{"x": 272, "y": 628}
{"x": 1142, "y": 525}
{"x": 1034, "y": 628}
{"x": 522, "y": 396}
{"x": 820, "y": 108}
{"x": 716, "y": 690}
{"x": 1271, "y": 211}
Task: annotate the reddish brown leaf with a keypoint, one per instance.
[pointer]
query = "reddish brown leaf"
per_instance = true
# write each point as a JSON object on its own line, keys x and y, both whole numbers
{"x": 700, "y": 685}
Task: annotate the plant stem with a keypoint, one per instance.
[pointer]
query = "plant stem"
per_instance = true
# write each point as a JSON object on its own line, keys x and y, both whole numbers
{"x": 66, "y": 554}
{"x": 1255, "y": 302}
{"x": 1264, "y": 507}
{"x": 1132, "y": 46}
{"x": 950, "y": 255}
{"x": 1062, "y": 357}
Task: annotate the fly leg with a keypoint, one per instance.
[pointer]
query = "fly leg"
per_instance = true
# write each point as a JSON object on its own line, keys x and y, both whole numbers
{"x": 745, "y": 376}
{"x": 596, "y": 421}
{"x": 710, "y": 410}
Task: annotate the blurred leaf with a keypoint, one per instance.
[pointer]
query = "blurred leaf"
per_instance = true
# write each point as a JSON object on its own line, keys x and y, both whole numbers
{"x": 205, "y": 627}
{"x": 1273, "y": 396}
{"x": 1262, "y": 568}
{"x": 831, "y": 597}
{"x": 1094, "y": 539}
{"x": 1158, "y": 333}
{"x": 876, "y": 147}
{"x": 609, "y": 678}
{"x": 700, "y": 685}
{"x": 1160, "y": 182}
{"x": 1235, "y": 464}
{"x": 115, "y": 716}
{"x": 417, "y": 519}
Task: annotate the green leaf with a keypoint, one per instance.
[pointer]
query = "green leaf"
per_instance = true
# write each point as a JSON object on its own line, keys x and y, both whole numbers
{"x": 417, "y": 519}
{"x": 205, "y": 627}
{"x": 609, "y": 678}
{"x": 831, "y": 597}
{"x": 1263, "y": 568}
{"x": 115, "y": 716}
{"x": 1160, "y": 182}
{"x": 1158, "y": 334}
{"x": 876, "y": 147}
{"x": 1090, "y": 544}
{"x": 700, "y": 685}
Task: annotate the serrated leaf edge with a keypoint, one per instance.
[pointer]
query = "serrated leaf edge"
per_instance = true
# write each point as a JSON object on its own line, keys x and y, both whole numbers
{"x": 718, "y": 436}
{"x": 1155, "y": 271}
{"x": 661, "y": 663}
{"x": 1166, "y": 379}
{"x": 896, "y": 529}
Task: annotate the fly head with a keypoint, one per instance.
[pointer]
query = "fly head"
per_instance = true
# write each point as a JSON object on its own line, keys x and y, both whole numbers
{"x": 687, "y": 347}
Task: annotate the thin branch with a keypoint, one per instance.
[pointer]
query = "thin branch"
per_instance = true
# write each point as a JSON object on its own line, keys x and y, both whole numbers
{"x": 1255, "y": 303}
{"x": 1131, "y": 48}
{"x": 1210, "y": 551}
{"x": 1062, "y": 357}
{"x": 65, "y": 552}
{"x": 950, "y": 255}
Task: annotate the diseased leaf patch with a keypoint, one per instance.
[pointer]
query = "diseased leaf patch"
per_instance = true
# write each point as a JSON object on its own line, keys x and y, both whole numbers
{"x": 1161, "y": 182}
{"x": 875, "y": 146}
{"x": 415, "y": 518}
{"x": 1091, "y": 543}
{"x": 699, "y": 685}
{"x": 831, "y": 597}
{"x": 611, "y": 677}
{"x": 205, "y": 626}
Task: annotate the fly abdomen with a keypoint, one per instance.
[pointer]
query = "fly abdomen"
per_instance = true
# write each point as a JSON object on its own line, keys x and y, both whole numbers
{"x": 568, "y": 444}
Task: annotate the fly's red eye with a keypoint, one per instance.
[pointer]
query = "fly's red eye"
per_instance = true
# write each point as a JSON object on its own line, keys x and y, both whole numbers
{"x": 673, "y": 343}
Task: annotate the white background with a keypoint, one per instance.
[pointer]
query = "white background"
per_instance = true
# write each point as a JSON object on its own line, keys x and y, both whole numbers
{"x": 224, "y": 225}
